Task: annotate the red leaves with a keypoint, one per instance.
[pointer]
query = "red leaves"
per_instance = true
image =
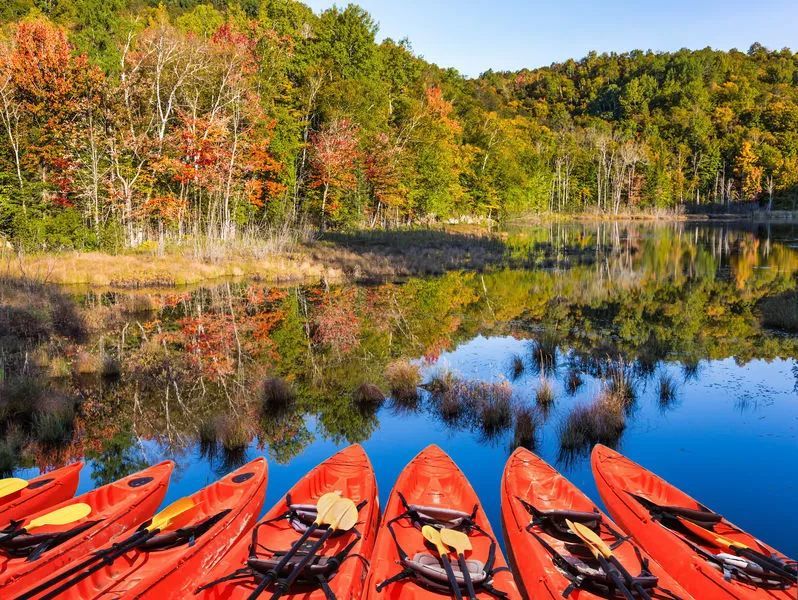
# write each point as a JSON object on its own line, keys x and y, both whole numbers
{"x": 442, "y": 109}
{"x": 336, "y": 324}
{"x": 334, "y": 155}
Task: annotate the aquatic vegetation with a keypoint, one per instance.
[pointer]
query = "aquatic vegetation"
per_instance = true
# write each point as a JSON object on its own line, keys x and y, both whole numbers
{"x": 602, "y": 421}
{"x": 527, "y": 422}
{"x": 544, "y": 353}
{"x": 277, "y": 395}
{"x": 516, "y": 366}
{"x": 573, "y": 381}
{"x": 620, "y": 384}
{"x": 666, "y": 390}
{"x": 403, "y": 379}
{"x": 476, "y": 405}
{"x": 544, "y": 394}
{"x": 368, "y": 395}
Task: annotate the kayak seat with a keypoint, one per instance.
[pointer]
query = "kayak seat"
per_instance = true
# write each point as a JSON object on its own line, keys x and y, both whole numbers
{"x": 430, "y": 567}
{"x": 302, "y": 516}
{"x": 320, "y": 565}
{"x": 444, "y": 517}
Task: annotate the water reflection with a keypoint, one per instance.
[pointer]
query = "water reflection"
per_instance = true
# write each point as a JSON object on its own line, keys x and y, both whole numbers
{"x": 604, "y": 321}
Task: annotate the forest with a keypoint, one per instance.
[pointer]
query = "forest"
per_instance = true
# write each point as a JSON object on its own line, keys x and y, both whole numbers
{"x": 126, "y": 122}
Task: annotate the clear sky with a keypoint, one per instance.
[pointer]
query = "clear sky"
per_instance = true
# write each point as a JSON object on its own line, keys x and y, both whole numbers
{"x": 475, "y": 35}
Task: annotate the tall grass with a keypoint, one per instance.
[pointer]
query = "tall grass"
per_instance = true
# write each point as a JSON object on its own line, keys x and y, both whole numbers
{"x": 516, "y": 366}
{"x": 403, "y": 379}
{"x": 277, "y": 395}
{"x": 573, "y": 381}
{"x": 479, "y": 405}
{"x": 544, "y": 395}
{"x": 526, "y": 426}
{"x": 544, "y": 353}
{"x": 602, "y": 421}
{"x": 368, "y": 395}
{"x": 666, "y": 390}
{"x": 781, "y": 312}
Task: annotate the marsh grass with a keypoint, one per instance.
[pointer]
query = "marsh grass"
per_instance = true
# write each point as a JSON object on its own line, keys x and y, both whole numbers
{"x": 573, "y": 381}
{"x": 666, "y": 390}
{"x": 277, "y": 396}
{"x": 543, "y": 353}
{"x": 483, "y": 406}
{"x": 367, "y": 396}
{"x": 527, "y": 421}
{"x": 226, "y": 438}
{"x": 403, "y": 379}
{"x": 544, "y": 394}
{"x": 10, "y": 451}
{"x": 516, "y": 366}
{"x": 54, "y": 428}
{"x": 620, "y": 383}
{"x": 602, "y": 421}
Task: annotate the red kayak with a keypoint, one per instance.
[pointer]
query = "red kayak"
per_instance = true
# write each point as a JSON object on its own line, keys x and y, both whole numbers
{"x": 30, "y": 557}
{"x": 341, "y": 563}
{"x": 548, "y": 559}
{"x": 166, "y": 565}
{"x": 432, "y": 490}
{"x": 40, "y": 492}
{"x": 711, "y": 557}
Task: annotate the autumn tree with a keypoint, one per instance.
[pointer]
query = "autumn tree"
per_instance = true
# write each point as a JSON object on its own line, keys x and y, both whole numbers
{"x": 334, "y": 158}
{"x": 749, "y": 171}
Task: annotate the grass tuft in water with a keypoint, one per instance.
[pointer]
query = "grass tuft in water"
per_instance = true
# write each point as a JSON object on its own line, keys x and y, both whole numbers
{"x": 277, "y": 395}
{"x": 620, "y": 385}
{"x": 544, "y": 353}
{"x": 573, "y": 382}
{"x": 527, "y": 421}
{"x": 403, "y": 379}
{"x": 781, "y": 312}
{"x": 602, "y": 421}
{"x": 516, "y": 366}
{"x": 667, "y": 390}
{"x": 544, "y": 395}
{"x": 368, "y": 395}
{"x": 55, "y": 427}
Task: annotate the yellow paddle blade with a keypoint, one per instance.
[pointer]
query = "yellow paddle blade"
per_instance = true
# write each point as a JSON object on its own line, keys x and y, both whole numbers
{"x": 710, "y": 536}
{"x": 590, "y": 537}
{"x": 10, "y": 485}
{"x": 325, "y": 502}
{"x": 61, "y": 516}
{"x": 342, "y": 515}
{"x": 457, "y": 540}
{"x": 433, "y": 536}
{"x": 162, "y": 520}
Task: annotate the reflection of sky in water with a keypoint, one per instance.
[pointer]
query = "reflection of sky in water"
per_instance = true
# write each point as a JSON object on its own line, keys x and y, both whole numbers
{"x": 730, "y": 440}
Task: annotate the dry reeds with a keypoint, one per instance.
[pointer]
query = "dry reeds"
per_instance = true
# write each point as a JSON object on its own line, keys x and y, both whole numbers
{"x": 277, "y": 395}
{"x": 403, "y": 379}
{"x": 602, "y": 421}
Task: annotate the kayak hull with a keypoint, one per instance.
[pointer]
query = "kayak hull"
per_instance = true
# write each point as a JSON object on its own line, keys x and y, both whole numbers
{"x": 171, "y": 573}
{"x": 116, "y": 508}
{"x": 528, "y": 477}
{"x": 44, "y": 491}
{"x": 430, "y": 479}
{"x": 348, "y": 471}
{"x": 617, "y": 478}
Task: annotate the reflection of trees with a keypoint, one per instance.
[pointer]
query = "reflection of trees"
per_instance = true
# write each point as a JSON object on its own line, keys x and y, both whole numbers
{"x": 193, "y": 361}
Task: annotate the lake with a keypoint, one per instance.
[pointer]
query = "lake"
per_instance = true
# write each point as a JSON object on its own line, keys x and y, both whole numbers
{"x": 692, "y": 325}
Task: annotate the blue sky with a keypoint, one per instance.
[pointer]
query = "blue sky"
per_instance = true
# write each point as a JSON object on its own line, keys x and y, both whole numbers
{"x": 475, "y": 35}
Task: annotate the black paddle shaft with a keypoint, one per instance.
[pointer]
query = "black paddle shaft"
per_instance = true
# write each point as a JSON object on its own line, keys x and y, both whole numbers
{"x": 285, "y": 585}
{"x": 629, "y": 579}
{"x": 106, "y": 560}
{"x": 615, "y": 577}
{"x": 269, "y": 577}
{"x": 461, "y": 560}
{"x": 768, "y": 564}
{"x": 102, "y": 555}
{"x": 447, "y": 566}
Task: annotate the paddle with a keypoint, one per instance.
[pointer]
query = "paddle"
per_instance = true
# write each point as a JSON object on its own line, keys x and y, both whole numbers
{"x": 323, "y": 506}
{"x": 60, "y": 516}
{"x": 460, "y": 542}
{"x": 601, "y": 551}
{"x": 433, "y": 536}
{"x": 342, "y": 516}
{"x": 158, "y": 523}
{"x": 9, "y": 485}
{"x": 766, "y": 562}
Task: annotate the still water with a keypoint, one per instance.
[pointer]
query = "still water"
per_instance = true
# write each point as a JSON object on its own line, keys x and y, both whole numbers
{"x": 694, "y": 324}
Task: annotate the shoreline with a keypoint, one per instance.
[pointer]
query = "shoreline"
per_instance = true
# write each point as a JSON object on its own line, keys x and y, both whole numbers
{"x": 364, "y": 256}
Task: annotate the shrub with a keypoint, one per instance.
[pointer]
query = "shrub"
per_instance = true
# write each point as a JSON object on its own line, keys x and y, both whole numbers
{"x": 781, "y": 312}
